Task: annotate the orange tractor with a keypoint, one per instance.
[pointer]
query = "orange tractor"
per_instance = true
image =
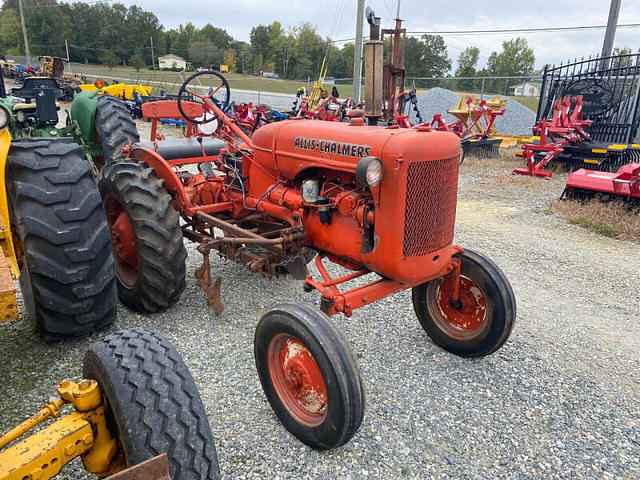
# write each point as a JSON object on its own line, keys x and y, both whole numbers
{"x": 377, "y": 202}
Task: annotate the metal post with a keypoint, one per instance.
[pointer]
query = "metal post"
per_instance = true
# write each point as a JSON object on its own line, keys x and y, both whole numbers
{"x": 153, "y": 57}
{"x": 24, "y": 33}
{"x": 66, "y": 46}
{"x": 482, "y": 90}
{"x": 357, "y": 54}
{"x": 609, "y": 36}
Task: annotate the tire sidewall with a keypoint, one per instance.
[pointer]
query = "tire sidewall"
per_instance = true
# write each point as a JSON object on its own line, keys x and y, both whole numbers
{"x": 500, "y": 316}
{"x": 325, "y": 434}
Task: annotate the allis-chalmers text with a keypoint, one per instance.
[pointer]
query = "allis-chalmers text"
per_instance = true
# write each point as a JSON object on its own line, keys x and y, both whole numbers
{"x": 327, "y": 146}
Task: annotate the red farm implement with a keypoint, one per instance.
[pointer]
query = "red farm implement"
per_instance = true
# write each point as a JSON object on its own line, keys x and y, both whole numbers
{"x": 622, "y": 185}
{"x": 565, "y": 128}
{"x": 475, "y": 124}
{"x": 378, "y": 202}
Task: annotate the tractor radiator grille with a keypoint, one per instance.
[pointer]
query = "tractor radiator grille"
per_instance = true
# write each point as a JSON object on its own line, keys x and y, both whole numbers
{"x": 430, "y": 211}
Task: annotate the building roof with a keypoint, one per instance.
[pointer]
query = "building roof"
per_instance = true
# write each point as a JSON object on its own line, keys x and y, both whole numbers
{"x": 171, "y": 56}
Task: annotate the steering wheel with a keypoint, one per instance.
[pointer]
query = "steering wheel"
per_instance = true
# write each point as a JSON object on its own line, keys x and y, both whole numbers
{"x": 215, "y": 88}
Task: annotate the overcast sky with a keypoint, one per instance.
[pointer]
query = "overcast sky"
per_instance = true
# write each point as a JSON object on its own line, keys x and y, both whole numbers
{"x": 336, "y": 18}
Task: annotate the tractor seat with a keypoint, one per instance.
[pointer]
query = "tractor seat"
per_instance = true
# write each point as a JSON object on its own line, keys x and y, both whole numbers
{"x": 176, "y": 148}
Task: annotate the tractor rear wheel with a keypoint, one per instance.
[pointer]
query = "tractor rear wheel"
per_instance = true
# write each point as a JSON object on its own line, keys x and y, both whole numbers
{"x": 67, "y": 279}
{"x": 309, "y": 375}
{"x": 115, "y": 127}
{"x": 482, "y": 320}
{"x": 146, "y": 236}
{"x": 152, "y": 403}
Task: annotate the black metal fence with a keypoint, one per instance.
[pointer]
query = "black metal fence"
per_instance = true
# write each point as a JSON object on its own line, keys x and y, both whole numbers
{"x": 611, "y": 90}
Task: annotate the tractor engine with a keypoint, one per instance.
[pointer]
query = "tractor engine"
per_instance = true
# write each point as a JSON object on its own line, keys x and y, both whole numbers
{"x": 380, "y": 198}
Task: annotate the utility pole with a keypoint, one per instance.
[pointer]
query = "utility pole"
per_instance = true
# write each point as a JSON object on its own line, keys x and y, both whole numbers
{"x": 66, "y": 46}
{"x": 24, "y": 32}
{"x": 607, "y": 47}
{"x": 153, "y": 57}
{"x": 357, "y": 55}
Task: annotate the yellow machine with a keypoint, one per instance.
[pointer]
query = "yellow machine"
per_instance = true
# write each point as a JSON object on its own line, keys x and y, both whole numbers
{"x": 120, "y": 90}
{"x": 468, "y": 116}
{"x": 317, "y": 90}
{"x": 114, "y": 416}
{"x": 8, "y": 260}
{"x": 53, "y": 67}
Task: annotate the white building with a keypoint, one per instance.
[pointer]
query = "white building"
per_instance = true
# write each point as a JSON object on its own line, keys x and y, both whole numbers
{"x": 171, "y": 61}
{"x": 526, "y": 89}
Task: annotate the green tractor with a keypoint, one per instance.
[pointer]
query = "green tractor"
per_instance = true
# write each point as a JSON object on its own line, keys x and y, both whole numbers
{"x": 53, "y": 230}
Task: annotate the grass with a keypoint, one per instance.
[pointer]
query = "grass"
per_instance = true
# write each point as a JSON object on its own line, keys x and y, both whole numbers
{"x": 610, "y": 219}
{"x": 171, "y": 81}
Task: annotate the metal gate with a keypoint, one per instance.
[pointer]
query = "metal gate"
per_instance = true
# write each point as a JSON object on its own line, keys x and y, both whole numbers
{"x": 611, "y": 90}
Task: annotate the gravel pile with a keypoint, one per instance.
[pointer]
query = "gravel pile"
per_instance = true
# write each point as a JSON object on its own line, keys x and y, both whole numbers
{"x": 517, "y": 119}
{"x": 559, "y": 401}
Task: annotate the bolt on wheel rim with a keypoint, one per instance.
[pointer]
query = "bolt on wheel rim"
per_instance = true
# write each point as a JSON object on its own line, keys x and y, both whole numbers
{"x": 123, "y": 241}
{"x": 464, "y": 321}
{"x": 297, "y": 380}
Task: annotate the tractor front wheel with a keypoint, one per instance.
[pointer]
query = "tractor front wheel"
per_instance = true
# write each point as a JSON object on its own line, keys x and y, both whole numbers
{"x": 146, "y": 236}
{"x": 309, "y": 375}
{"x": 152, "y": 403}
{"x": 482, "y": 319}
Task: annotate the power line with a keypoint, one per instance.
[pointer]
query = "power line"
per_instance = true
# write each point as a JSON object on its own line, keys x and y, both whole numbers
{"x": 522, "y": 30}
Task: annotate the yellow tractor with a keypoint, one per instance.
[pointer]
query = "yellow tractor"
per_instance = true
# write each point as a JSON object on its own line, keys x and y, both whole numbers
{"x": 136, "y": 415}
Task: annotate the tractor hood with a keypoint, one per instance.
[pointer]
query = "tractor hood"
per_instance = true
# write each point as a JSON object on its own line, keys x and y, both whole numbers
{"x": 290, "y": 147}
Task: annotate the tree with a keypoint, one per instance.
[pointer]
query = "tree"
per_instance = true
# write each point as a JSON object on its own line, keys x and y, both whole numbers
{"x": 109, "y": 59}
{"x": 229, "y": 60}
{"x": 516, "y": 59}
{"x": 467, "y": 62}
{"x": 205, "y": 53}
{"x": 136, "y": 61}
{"x": 427, "y": 57}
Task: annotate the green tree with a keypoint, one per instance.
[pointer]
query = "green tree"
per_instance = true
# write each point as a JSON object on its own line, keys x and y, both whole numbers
{"x": 109, "y": 59}
{"x": 467, "y": 62}
{"x": 427, "y": 57}
{"x": 136, "y": 61}
{"x": 205, "y": 54}
{"x": 515, "y": 59}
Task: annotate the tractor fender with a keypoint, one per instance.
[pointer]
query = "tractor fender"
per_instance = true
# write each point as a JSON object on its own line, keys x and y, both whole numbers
{"x": 6, "y": 240}
{"x": 83, "y": 112}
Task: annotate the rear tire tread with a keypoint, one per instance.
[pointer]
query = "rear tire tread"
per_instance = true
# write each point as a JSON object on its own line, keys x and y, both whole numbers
{"x": 74, "y": 294}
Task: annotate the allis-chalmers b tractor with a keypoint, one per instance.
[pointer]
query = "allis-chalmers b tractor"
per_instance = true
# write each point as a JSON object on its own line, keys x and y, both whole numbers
{"x": 373, "y": 200}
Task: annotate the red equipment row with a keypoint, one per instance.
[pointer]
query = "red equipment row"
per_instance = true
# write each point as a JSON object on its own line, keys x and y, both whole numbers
{"x": 566, "y": 127}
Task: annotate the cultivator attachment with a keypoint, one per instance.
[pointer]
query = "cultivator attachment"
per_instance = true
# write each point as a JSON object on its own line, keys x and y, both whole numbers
{"x": 482, "y": 147}
{"x": 623, "y": 185}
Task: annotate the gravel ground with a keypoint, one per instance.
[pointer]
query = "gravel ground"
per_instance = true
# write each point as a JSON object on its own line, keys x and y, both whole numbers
{"x": 559, "y": 400}
{"x": 517, "y": 119}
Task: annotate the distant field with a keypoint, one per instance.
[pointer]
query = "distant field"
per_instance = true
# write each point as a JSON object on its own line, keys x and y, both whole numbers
{"x": 174, "y": 79}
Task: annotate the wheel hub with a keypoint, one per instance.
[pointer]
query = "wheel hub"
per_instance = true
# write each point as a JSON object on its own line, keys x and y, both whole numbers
{"x": 466, "y": 315}
{"x": 123, "y": 241}
{"x": 297, "y": 379}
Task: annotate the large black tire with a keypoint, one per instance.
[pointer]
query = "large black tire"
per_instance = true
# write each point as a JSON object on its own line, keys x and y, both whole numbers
{"x": 482, "y": 322}
{"x": 67, "y": 274}
{"x": 114, "y": 127}
{"x": 152, "y": 277}
{"x": 153, "y": 403}
{"x": 296, "y": 341}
